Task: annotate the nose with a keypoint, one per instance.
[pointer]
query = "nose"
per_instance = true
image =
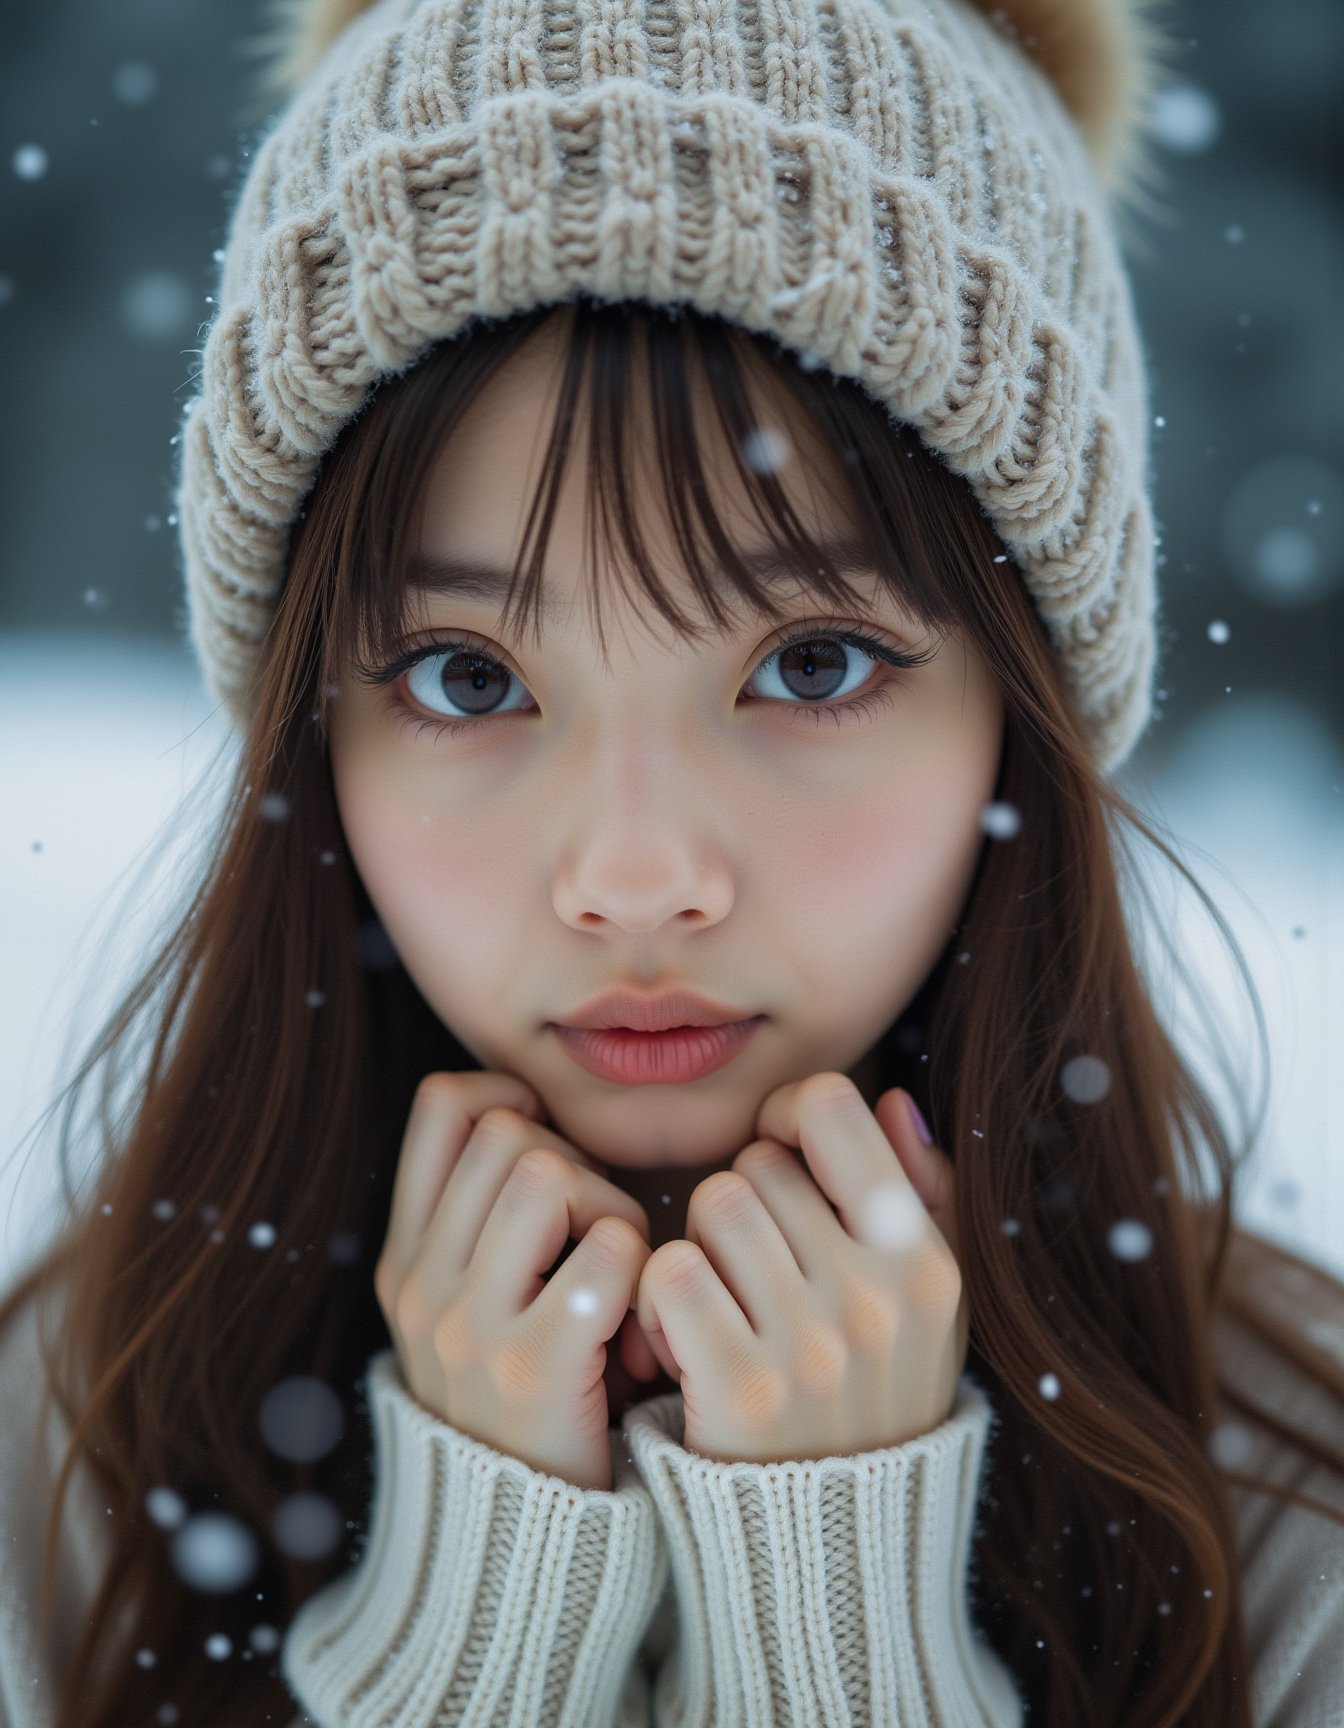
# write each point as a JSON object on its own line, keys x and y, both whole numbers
{"x": 642, "y": 860}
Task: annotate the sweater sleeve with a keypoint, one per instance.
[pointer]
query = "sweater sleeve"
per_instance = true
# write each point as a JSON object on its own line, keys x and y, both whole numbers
{"x": 831, "y": 1591}
{"x": 488, "y": 1593}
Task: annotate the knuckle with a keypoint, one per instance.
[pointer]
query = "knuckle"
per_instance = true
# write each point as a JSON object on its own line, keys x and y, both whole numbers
{"x": 610, "y": 1242}
{"x": 872, "y": 1317}
{"x": 411, "y": 1308}
{"x": 935, "y": 1279}
{"x": 496, "y": 1124}
{"x": 537, "y": 1169}
{"x": 439, "y": 1083}
{"x": 761, "y": 1392}
{"x": 828, "y": 1088}
{"x": 823, "y": 1360}
{"x": 681, "y": 1268}
{"x": 725, "y": 1194}
{"x": 760, "y": 1158}
{"x": 517, "y": 1370}
{"x": 383, "y": 1285}
{"x": 453, "y": 1340}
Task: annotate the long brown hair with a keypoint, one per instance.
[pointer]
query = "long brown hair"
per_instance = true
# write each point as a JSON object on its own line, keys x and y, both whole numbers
{"x": 287, "y": 1040}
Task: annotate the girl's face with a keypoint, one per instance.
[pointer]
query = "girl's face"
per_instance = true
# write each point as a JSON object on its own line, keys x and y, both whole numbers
{"x": 676, "y": 817}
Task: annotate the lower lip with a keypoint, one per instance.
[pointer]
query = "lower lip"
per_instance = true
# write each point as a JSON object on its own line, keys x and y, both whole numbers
{"x": 655, "y": 1058}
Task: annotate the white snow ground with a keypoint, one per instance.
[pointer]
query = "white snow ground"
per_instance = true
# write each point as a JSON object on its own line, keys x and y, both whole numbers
{"x": 101, "y": 736}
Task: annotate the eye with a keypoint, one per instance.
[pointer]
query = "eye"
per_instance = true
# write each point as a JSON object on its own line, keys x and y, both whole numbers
{"x": 818, "y": 666}
{"x": 463, "y": 676}
{"x": 822, "y": 669}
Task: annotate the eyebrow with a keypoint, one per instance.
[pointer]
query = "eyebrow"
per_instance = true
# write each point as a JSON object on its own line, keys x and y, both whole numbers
{"x": 476, "y": 579}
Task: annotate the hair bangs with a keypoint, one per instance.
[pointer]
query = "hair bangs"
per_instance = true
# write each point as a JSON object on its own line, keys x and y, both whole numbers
{"x": 608, "y": 349}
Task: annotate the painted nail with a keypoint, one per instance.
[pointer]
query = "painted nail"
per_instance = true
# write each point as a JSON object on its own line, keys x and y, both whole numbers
{"x": 917, "y": 1117}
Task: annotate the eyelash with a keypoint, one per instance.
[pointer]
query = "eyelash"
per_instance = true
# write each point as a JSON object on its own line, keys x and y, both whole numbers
{"x": 439, "y": 724}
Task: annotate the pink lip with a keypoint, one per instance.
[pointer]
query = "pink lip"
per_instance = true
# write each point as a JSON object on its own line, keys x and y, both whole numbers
{"x": 655, "y": 1058}
{"x": 668, "y": 1010}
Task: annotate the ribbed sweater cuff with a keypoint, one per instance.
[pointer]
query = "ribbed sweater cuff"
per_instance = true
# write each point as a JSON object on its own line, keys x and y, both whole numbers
{"x": 831, "y": 1591}
{"x": 488, "y": 1592}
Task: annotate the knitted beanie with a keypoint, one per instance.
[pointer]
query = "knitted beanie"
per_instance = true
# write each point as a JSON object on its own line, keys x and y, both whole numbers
{"x": 921, "y": 195}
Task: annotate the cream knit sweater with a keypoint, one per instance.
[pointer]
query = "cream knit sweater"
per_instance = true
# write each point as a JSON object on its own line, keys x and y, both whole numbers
{"x": 737, "y": 1595}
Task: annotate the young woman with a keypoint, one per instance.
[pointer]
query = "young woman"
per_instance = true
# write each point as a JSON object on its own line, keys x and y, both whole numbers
{"x": 656, "y": 1191}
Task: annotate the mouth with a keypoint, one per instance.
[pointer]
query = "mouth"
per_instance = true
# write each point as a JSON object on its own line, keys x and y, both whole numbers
{"x": 667, "y": 1058}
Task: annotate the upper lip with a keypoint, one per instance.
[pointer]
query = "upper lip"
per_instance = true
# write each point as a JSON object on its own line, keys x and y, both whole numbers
{"x": 643, "y": 1013}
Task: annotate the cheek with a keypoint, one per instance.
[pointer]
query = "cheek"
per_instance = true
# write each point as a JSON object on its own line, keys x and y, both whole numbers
{"x": 420, "y": 859}
{"x": 885, "y": 879}
{"x": 898, "y": 857}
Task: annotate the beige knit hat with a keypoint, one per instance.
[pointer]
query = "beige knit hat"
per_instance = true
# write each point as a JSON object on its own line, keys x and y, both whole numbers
{"x": 922, "y": 195}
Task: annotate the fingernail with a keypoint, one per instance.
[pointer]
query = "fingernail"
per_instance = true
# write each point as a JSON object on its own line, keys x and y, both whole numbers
{"x": 917, "y": 1117}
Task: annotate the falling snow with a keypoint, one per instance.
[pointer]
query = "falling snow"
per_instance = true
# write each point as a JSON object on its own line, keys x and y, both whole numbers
{"x": 1185, "y": 118}
{"x": 343, "y": 1248}
{"x": 134, "y": 83}
{"x": 1000, "y": 820}
{"x": 894, "y": 1216}
{"x": 765, "y": 449}
{"x": 29, "y": 161}
{"x": 156, "y": 305}
{"x": 166, "y": 1507}
{"x": 1049, "y": 1386}
{"x": 1129, "y": 1239}
{"x": 215, "y": 1553}
{"x": 307, "y": 1526}
{"x": 1085, "y": 1079}
{"x": 301, "y": 1419}
{"x": 1230, "y": 1446}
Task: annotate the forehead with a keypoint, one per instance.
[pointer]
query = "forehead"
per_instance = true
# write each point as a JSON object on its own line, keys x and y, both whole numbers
{"x": 487, "y": 475}
{"x": 447, "y": 574}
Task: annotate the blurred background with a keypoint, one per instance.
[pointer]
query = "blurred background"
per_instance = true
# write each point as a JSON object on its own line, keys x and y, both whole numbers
{"x": 124, "y": 136}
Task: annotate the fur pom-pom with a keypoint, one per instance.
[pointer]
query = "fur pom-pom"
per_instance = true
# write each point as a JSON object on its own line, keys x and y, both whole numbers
{"x": 297, "y": 35}
{"x": 1108, "y": 60}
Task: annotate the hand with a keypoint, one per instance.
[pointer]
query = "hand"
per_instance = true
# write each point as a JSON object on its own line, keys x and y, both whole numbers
{"x": 802, "y": 1331}
{"x": 484, "y": 1200}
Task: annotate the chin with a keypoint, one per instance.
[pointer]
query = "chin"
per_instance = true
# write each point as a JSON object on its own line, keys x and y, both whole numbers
{"x": 628, "y": 1145}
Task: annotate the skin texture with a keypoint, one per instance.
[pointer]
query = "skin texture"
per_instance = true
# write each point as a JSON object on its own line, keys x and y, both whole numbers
{"x": 643, "y": 822}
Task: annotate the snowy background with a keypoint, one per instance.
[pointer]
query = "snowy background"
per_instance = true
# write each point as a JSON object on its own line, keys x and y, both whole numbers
{"x": 124, "y": 136}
